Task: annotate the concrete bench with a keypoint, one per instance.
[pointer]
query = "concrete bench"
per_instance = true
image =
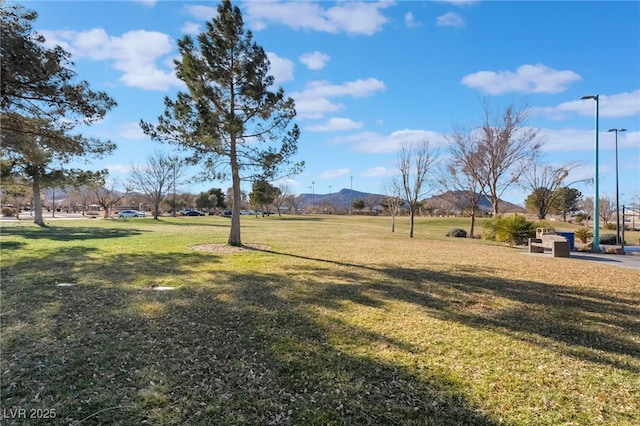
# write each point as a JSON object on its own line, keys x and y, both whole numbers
{"x": 558, "y": 245}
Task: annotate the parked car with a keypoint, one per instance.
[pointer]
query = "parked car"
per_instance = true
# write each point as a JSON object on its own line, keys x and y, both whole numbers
{"x": 247, "y": 212}
{"x": 131, "y": 213}
{"x": 192, "y": 213}
{"x": 226, "y": 213}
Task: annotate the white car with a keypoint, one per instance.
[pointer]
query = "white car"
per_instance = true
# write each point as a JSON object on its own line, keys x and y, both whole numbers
{"x": 131, "y": 213}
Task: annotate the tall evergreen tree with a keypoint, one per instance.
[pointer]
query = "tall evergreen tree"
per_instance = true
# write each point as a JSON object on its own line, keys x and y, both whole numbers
{"x": 228, "y": 119}
{"x": 40, "y": 104}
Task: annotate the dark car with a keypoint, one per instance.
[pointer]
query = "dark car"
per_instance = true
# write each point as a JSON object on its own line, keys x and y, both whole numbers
{"x": 193, "y": 213}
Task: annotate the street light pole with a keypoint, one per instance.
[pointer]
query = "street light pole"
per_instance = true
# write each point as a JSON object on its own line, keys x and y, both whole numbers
{"x": 313, "y": 195}
{"x": 596, "y": 201}
{"x": 617, "y": 189}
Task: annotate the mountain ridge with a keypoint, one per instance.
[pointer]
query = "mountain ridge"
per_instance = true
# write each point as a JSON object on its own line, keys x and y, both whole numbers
{"x": 345, "y": 197}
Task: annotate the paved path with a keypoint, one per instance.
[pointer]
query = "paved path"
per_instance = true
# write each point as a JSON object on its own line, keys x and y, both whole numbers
{"x": 631, "y": 260}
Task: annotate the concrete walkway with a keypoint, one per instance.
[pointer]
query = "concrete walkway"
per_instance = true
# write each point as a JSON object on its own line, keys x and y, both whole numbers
{"x": 630, "y": 260}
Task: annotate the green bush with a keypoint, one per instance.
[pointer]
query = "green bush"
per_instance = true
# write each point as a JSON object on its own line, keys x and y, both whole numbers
{"x": 583, "y": 234}
{"x": 514, "y": 229}
{"x": 491, "y": 228}
{"x": 610, "y": 227}
{"x": 582, "y": 217}
{"x": 608, "y": 239}
{"x": 457, "y": 233}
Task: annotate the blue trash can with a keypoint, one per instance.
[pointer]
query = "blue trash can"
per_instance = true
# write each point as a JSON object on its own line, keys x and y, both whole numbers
{"x": 571, "y": 237}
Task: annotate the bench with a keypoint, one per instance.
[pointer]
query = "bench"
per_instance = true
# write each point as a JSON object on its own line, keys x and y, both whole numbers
{"x": 546, "y": 238}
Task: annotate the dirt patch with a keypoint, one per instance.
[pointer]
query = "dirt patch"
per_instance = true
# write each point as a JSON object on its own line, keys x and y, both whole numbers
{"x": 225, "y": 248}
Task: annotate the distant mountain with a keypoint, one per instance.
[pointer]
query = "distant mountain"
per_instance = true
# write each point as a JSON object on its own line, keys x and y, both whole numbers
{"x": 444, "y": 201}
{"x": 343, "y": 199}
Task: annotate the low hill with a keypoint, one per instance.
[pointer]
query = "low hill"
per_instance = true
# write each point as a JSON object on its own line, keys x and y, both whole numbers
{"x": 344, "y": 198}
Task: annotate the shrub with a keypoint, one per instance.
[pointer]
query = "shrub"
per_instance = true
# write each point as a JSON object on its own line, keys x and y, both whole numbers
{"x": 610, "y": 227}
{"x": 542, "y": 224}
{"x": 608, "y": 239}
{"x": 8, "y": 211}
{"x": 583, "y": 234}
{"x": 491, "y": 228}
{"x": 457, "y": 233}
{"x": 514, "y": 229}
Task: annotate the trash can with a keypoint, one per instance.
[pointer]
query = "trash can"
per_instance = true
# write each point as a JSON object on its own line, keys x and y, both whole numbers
{"x": 571, "y": 237}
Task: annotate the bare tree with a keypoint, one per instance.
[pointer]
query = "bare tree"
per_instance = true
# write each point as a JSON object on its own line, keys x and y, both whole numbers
{"x": 393, "y": 199}
{"x": 587, "y": 207}
{"x": 283, "y": 195}
{"x": 544, "y": 182}
{"x": 462, "y": 189}
{"x": 295, "y": 202}
{"x": 607, "y": 209}
{"x": 498, "y": 153}
{"x": 414, "y": 165}
{"x": 371, "y": 202}
{"x": 156, "y": 177}
{"x": 107, "y": 197}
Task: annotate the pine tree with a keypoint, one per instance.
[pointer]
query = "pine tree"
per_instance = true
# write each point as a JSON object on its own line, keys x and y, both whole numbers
{"x": 40, "y": 104}
{"x": 228, "y": 119}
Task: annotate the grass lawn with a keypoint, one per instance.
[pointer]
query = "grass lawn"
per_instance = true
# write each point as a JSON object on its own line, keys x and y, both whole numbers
{"x": 330, "y": 321}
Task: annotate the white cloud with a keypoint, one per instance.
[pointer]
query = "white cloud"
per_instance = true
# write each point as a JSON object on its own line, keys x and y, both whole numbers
{"x": 314, "y": 60}
{"x": 190, "y": 28}
{"x": 355, "y": 18}
{"x": 459, "y": 2}
{"x": 204, "y": 13}
{"x": 333, "y": 173}
{"x": 410, "y": 22}
{"x": 135, "y": 54}
{"x": 574, "y": 140}
{"x": 450, "y": 19}
{"x": 315, "y": 108}
{"x": 527, "y": 79}
{"x": 118, "y": 168}
{"x": 568, "y": 139}
{"x": 625, "y": 104}
{"x": 131, "y": 130}
{"x": 281, "y": 68}
{"x": 377, "y": 172}
{"x": 148, "y": 3}
{"x": 313, "y": 101}
{"x": 335, "y": 124}
{"x": 375, "y": 143}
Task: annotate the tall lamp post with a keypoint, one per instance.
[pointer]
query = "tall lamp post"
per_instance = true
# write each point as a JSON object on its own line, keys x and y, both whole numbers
{"x": 596, "y": 200}
{"x": 617, "y": 188}
{"x": 313, "y": 195}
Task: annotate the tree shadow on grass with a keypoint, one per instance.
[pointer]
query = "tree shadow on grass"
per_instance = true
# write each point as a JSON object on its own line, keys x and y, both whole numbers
{"x": 66, "y": 233}
{"x": 229, "y": 351}
{"x": 234, "y": 353}
{"x": 584, "y": 322}
{"x": 257, "y": 348}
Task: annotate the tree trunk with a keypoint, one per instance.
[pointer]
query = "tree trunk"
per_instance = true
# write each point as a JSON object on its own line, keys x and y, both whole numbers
{"x": 393, "y": 221}
{"x": 234, "y": 232}
{"x": 411, "y": 216}
{"x": 473, "y": 224}
{"x": 37, "y": 203}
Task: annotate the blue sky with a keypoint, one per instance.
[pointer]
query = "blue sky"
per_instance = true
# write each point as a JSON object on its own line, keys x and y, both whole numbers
{"x": 370, "y": 76}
